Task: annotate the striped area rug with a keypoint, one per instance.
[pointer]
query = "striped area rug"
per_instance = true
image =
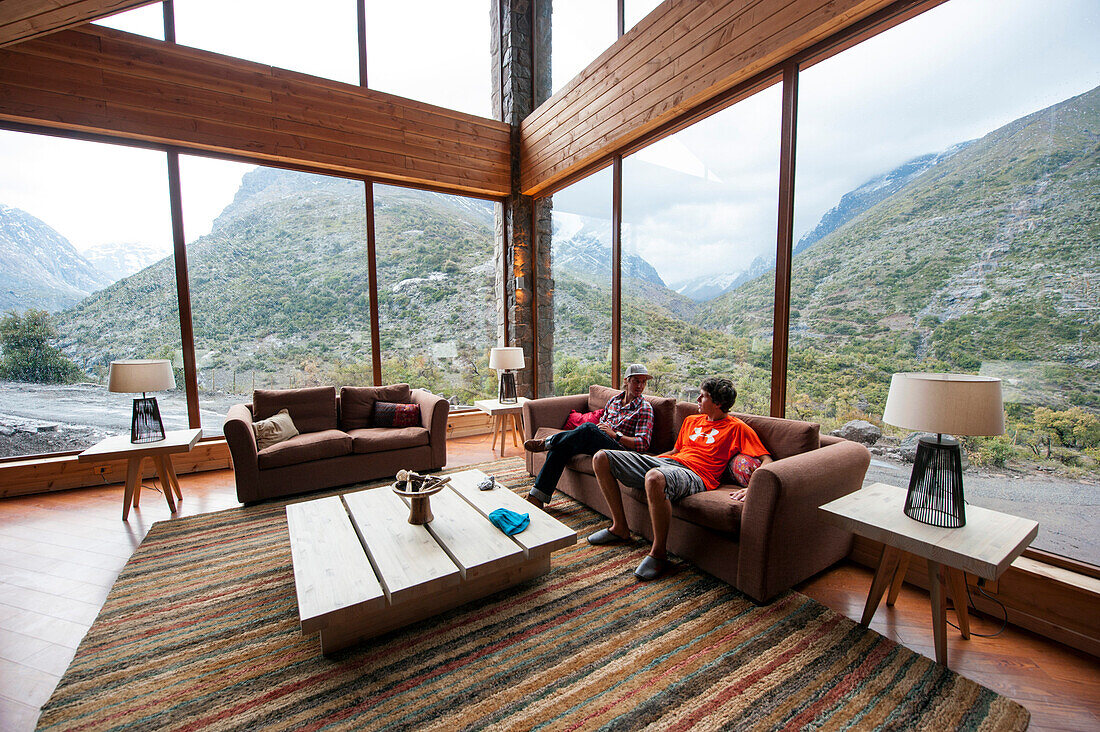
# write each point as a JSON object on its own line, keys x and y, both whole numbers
{"x": 200, "y": 632}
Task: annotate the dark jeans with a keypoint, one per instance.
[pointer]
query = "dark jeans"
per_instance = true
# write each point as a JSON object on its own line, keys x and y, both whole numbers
{"x": 584, "y": 440}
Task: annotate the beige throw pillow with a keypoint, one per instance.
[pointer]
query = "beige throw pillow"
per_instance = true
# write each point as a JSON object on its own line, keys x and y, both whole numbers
{"x": 273, "y": 430}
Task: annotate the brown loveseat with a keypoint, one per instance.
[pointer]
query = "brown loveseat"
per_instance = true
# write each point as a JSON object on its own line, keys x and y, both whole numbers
{"x": 337, "y": 444}
{"x": 762, "y": 546}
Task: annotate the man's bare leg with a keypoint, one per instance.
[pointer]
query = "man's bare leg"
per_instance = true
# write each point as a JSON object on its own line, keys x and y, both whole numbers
{"x": 610, "y": 489}
{"x": 660, "y": 511}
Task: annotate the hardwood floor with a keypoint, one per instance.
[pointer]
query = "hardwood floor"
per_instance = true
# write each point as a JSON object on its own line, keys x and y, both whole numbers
{"x": 60, "y": 553}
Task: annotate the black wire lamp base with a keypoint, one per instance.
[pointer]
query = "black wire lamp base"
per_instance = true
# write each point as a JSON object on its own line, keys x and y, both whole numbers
{"x": 146, "y": 425}
{"x": 507, "y": 393}
{"x": 935, "y": 495}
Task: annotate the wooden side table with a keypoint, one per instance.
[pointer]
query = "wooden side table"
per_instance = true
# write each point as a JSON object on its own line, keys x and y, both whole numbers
{"x": 984, "y": 547}
{"x": 500, "y": 414}
{"x": 119, "y": 446}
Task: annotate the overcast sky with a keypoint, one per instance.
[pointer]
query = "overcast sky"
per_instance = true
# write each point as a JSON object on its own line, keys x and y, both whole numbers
{"x": 954, "y": 73}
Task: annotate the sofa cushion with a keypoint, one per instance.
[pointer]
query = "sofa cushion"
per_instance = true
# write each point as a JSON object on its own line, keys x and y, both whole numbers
{"x": 312, "y": 409}
{"x": 740, "y": 469}
{"x": 664, "y": 432}
{"x": 357, "y": 403}
{"x": 273, "y": 430}
{"x": 784, "y": 437}
{"x": 713, "y": 509}
{"x": 304, "y": 448}
{"x": 576, "y": 419}
{"x": 378, "y": 439}
{"x": 394, "y": 414}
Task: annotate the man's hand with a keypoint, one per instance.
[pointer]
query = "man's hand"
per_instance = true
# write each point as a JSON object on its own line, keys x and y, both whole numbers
{"x": 739, "y": 494}
{"x": 606, "y": 429}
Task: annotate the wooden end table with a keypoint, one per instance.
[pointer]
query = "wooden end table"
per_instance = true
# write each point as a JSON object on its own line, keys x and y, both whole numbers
{"x": 119, "y": 447}
{"x": 501, "y": 414}
{"x": 985, "y": 547}
{"x": 361, "y": 569}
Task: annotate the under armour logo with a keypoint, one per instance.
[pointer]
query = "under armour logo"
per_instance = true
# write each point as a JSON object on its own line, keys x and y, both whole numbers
{"x": 699, "y": 433}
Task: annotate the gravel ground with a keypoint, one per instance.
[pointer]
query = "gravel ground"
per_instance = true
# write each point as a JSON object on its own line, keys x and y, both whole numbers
{"x": 41, "y": 418}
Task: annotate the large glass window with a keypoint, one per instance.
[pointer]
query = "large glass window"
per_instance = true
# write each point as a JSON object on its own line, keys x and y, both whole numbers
{"x": 581, "y": 31}
{"x": 279, "y": 282}
{"x": 947, "y": 198}
{"x": 699, "y": 232}
{"x": 435, "y": 52}
{"x": 147, "y": 20}
{"x": 581, "y": 269}
{"x": 436, "y": 291}
{"x": 635, "y": 10}
{"x": 86, "y": 277}
{"x": 324, "y": 41}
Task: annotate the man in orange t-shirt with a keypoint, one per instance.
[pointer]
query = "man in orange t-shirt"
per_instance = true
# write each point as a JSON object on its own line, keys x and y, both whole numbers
{"x": 704, "y": 446}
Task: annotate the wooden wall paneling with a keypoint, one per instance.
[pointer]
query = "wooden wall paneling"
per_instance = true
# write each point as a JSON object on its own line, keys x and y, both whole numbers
{"x": 1053, "y": 602}
{"x": 44, "y": 475}
{"x": 21, "y": 20}
{"x": 108, "y": 82}
{"x": 617, "y": 104}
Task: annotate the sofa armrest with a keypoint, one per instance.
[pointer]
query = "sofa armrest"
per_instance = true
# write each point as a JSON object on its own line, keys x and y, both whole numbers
{"x": 783, "y": 539}
{"x": 434, "y": 410}
{"x": 237, "y": 429}
{"x": 550, "y": 412}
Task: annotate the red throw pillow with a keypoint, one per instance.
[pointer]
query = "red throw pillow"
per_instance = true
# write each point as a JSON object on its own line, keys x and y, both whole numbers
{"x": 576, "y": 419}
{"x": 741, "y": 468}
{"x": 390, "y": 414}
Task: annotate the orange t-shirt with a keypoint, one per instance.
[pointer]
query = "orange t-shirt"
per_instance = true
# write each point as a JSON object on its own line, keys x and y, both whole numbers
{"x": 706, "y": 447}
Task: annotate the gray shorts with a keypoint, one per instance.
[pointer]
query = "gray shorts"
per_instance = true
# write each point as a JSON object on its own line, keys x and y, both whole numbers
{"x": 630, "y": 468}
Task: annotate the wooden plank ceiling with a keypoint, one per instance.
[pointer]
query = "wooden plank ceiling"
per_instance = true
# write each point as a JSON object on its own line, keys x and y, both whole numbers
{"x": 103, "y": 81}
{"x": 21, "y": 20}
{"x": 681, "y": 55}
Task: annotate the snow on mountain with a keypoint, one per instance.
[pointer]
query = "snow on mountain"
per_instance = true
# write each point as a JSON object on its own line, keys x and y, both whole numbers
{"x": 583, "y": 245}
{"x": 41, "y": 269}
{"x": 117, "y": 260}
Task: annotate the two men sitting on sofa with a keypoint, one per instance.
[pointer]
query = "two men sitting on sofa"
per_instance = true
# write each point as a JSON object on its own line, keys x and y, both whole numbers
{"x": 704, "y": 448}
{"x": 626, "y": 422}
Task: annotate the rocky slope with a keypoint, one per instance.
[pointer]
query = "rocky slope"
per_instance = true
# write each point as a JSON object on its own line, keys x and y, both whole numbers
{"x": 41, "y": 269}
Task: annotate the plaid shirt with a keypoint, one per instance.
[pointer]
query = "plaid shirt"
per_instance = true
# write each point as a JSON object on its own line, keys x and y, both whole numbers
{"x": 633, "y": 420}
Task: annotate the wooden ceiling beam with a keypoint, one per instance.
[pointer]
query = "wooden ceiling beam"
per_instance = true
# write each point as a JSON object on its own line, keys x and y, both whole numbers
{"x": 22, "y": 20}
{"x": 677, "y": 59}
{"x": 99, "y": 81}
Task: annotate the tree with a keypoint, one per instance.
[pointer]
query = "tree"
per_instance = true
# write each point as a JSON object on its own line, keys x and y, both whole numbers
{"x": 28, "y": 355}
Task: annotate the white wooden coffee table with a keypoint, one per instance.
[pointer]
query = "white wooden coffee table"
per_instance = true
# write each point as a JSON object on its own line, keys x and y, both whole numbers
{"x": 360, "y": 569}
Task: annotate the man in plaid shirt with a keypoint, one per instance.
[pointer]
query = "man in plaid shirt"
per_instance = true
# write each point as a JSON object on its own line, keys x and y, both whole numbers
{"x": 626, "y": 424}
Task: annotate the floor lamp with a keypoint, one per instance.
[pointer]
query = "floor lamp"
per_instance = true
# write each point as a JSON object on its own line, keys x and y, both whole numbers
{"x": 944, "y": 404}
{"x": 505, "y": 361}
{"x": 141, "y": 376}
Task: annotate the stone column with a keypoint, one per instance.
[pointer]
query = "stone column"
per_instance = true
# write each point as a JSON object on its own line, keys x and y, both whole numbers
{"x": 521, "y": 58}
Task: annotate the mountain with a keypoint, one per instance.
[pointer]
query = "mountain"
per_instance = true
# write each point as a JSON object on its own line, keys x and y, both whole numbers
{"x": 117, "y": 260}
{"x": 877, "y": 189}
{"x": 988, "y": 255}
{"x": 280, "y": 284}
{"x": 582, "y": 246}
{"x": 41, "y": 268}
{"x": 708, "y": 287}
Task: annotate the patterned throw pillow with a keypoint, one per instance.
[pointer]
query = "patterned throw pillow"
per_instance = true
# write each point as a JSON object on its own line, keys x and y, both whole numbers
{"x": 741, "y": 468}
{"x": 389, "y": 414}
{"x": 576, "y": 419}
{"x": 277, "y": 428}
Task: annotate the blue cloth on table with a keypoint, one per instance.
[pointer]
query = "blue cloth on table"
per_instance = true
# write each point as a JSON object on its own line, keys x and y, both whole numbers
{"x": 510, "y": 522}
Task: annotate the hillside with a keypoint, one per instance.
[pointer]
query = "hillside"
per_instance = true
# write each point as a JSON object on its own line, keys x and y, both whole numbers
{"x": 990, "y": 255}
{"x": 41, "y": 268}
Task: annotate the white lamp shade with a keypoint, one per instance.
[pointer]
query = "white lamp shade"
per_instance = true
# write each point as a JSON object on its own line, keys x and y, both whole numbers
{"x": 141, "y": 375}
{"x": 506, "y": 359}
{"x": 950, "y": 404}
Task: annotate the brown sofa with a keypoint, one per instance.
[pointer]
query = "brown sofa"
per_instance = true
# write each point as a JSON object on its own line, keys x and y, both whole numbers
{"x": 762, "y": 546}
{"x": 337, "y": 444}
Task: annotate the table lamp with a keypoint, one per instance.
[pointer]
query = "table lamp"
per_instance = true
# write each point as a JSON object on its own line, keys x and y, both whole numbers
{"x": 951, "y": 404}
{"x": 143, "y": 375}
{"x": 506, "y": 361}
